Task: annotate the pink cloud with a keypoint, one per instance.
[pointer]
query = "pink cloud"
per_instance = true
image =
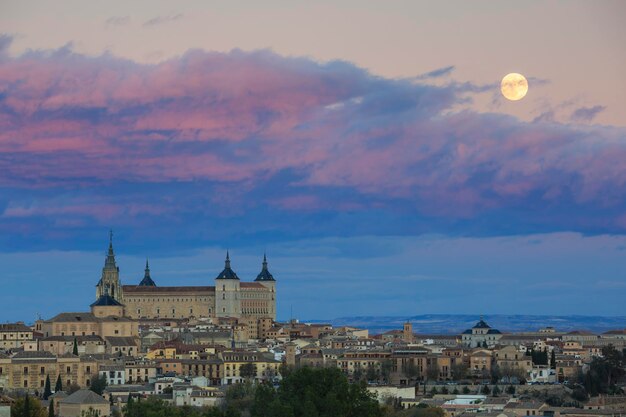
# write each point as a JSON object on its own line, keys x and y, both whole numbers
{"x": 249, "y": 117}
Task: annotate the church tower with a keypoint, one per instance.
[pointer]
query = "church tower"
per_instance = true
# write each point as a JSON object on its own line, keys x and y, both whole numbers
{"x": 266, "y": 279}
{"x": 109, "y": 283}
{"x": 227, "y": 292}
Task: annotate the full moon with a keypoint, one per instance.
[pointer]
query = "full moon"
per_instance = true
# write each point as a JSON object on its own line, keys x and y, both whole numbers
{"x": 514, "y": 86}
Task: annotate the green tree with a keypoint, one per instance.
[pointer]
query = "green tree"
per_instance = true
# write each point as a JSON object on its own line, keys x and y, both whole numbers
{"x": 75, "y": 349}
{"x": 72, "y": 389}
{"x": 98, "y": 384}
{"x": 27, "y": 407}
{"x": 553, "y": 360}
{"x": 372, "y": 373}
{"x": 486, "y": 390}
{"x": 459, "y": 371}
{"x": 51, "y": 408}
{"x": 315, "y": 392}
{"x": 59, "y": 385}
{"x": 466, "y": 390}
{"x": 495, "y": 391}
{"x": 247, "y": 370}
{"x": 604, "y": 372}
{"x": 433, "y": 391}
{"x": 90, "y": 413}
{"x": 410, "y": 371}
{"x": 510, "y": 390}
{"x": 386, "y": 367}
{"x": 47, "y": 391}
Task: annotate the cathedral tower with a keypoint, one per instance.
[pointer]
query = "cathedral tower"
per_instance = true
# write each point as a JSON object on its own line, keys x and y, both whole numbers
{"x": 227, "y": 292}
{"x": 266, "y": 279}
{"x": 109, "y": 283}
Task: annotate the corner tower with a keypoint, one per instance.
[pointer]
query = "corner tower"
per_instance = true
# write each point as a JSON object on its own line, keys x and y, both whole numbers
{"x": 227, "y": 292}
{"x": 266, "y": 279}
{"x": 109, "y": 283}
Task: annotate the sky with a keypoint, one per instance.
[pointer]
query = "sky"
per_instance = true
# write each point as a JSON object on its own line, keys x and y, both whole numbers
{"x": 364, "y": 146}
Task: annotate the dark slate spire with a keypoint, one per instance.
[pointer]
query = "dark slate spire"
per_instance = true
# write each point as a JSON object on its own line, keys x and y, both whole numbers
{"x": 147, "y": 280}
{"x": 227, "y": 273}
{"x": 109, "y": 263}
{"x": 265, "y": 273}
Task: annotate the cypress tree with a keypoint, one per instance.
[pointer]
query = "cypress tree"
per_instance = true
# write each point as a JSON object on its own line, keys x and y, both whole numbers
{"x": 51, "y": 408}
{"x": 27, "y": 406}
{"x": 59, "y": 385}
{"x": 75, "y": 351}
{"x": 553, "y": 360}
{"x": 46, "y": 391}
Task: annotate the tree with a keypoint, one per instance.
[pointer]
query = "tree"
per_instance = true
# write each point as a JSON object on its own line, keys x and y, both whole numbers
{"x": 486, "y": 390}
{"x": 247, "y": 370}
{"x": 459, "y": 371}
{"x": 372, "y": 373}
{"x": 604, "y": 372}
{"x": 308, "y": 392}
{"x": 410, "y": 371}
{"x": 59, "y": 385}
{"x": 75, "y": 349}
{"x": 553, "y": 360}
{"x": 495, "y": 391}
{"x": 385, "y": 370}
{"x": 72, "y": 389}
{"x": 46, "y": 391}
{"x": 27, "y": 407}
{"x": 510, "y": 390}
{"x": 434, "y": 391}
{"x": 90, "y": 413}
{"x": 98, "y": 384}
{"x": 51, "y": 408}
{"x": 444, "y": 390}
{"x": 455, "y": 391}
{"x": 466, "y": 390}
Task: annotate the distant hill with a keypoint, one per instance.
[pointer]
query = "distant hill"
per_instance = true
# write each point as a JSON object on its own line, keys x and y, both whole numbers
{"x": 457, "y": 323}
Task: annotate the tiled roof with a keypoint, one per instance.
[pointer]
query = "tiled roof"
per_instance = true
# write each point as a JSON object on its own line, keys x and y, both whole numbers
{"x": 132, "y": 289}
{"x": 14, "y": 327}
{"x": 84, "y": 396}
{"x": 34, "y": 355}
{"x": 105, "y": 300}
{"x": 251, "y": 285}
{"x": 122, "y": 341}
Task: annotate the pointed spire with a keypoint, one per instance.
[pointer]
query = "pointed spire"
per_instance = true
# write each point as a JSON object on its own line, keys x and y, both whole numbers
{"x": 265, "y": 274}
{"x": 227, "y": 273}
{"x": 110, "y": 259}
{"x": 147, "y": 280}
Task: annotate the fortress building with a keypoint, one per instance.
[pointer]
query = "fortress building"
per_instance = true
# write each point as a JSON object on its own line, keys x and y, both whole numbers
{"x": 229, "y": 297}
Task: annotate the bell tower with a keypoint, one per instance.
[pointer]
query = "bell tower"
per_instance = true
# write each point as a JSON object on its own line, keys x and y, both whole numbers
{"x": 110, "y": 280}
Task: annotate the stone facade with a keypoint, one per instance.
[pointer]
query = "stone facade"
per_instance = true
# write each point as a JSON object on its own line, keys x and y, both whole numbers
{"x": 28, "y": 370}
{"x": 14, "y": 335}
{"x": 229, "y": 297}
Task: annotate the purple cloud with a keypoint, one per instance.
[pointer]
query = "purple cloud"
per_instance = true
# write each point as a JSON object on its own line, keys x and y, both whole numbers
{"x": 586, "y": 114}
{"x": 159, "y": 20}
{"x": 244, "y": 131}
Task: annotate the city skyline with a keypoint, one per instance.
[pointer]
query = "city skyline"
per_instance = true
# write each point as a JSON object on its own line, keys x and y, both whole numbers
{"x": 373, "y": 158}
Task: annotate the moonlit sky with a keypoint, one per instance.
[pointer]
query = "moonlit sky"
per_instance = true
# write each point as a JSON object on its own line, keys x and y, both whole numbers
{"x": 364, "y": 145}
